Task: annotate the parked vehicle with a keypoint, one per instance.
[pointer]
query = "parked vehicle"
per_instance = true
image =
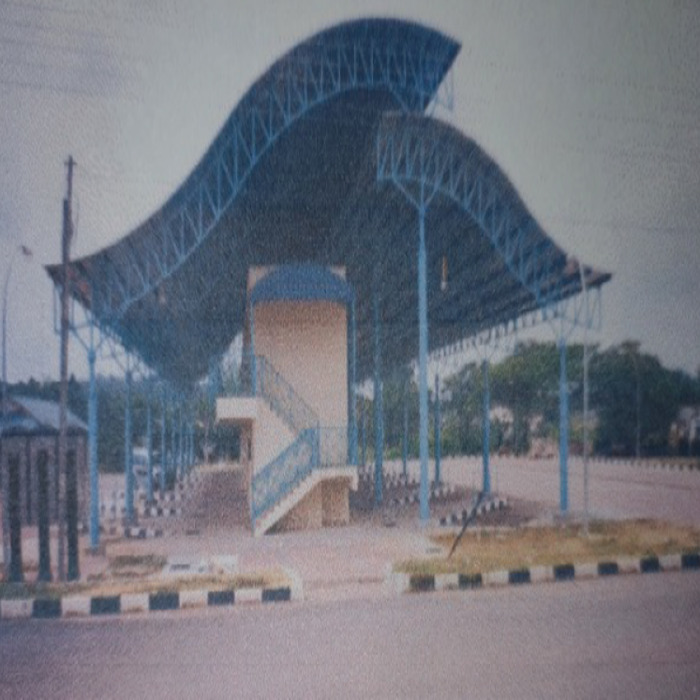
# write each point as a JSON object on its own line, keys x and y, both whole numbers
{"x": 139, "y": 466}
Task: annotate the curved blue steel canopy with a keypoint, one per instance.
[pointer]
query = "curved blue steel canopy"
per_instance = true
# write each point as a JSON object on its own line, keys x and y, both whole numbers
{"x": 302, "y": 282}
{"x": 492, "y": 262}
{"x": 292, "y": 177}
{"x": 269, "y": 190}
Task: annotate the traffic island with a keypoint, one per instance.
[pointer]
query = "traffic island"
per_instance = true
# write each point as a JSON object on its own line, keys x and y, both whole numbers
{"x": 519, "y": 556}
{"x": 148, "y": 584}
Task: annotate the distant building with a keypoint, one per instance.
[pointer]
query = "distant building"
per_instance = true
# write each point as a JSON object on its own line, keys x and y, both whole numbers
{"x": 29, "y": 445}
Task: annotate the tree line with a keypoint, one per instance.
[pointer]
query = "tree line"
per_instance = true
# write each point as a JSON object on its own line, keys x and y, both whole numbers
{"x": 633, "y": 401}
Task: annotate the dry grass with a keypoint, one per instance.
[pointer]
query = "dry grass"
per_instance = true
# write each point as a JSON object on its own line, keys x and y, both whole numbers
{"x": 118, "y": 586}
{"x": 209, "y": 582}
{"x": 549, "y": 546}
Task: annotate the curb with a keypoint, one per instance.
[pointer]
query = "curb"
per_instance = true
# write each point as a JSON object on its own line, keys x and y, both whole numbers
{"x": 418, "y": 583}
{"x": 74, "y": 606}
{"x": 488, "y": 506}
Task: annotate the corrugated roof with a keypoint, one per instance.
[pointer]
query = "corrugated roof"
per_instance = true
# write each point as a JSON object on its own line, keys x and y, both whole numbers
{"x": 34, "y": 415}
{"x": 291, "y": 178}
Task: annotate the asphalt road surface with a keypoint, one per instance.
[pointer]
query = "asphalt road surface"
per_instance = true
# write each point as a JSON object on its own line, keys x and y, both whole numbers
{"x": 615, "y": 490}
{"x": 624, "y": 637}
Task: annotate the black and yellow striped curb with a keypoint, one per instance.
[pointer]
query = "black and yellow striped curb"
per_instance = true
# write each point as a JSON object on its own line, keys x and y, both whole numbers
{"x": 71, "y": 606}
{"x": 414, "y": 583}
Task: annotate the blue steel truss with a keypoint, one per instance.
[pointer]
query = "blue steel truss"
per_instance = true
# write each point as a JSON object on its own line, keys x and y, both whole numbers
{"x": 405, "y": 60}
{"x": 425, "y": 158}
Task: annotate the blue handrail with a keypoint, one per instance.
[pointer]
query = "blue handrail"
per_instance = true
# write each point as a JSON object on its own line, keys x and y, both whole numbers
{"x": 282, "y": 474}
{"x": 259, "y": 377}
{"x": 314, "y": 448}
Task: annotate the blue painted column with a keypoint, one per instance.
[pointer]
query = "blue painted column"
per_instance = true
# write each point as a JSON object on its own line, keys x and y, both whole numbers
{"x": 92, "y": 449}
{"x": 181, "y": 442}
{"x": 128, "y": 467}
{"x": 423, "y": 366}
{"x": 378, "y": 404}
{"x": 185, "y": 447}
{"x": 563, "y": 431}
{"x": 404, "y": 450}
{"x": 173, "y": 440}
{"x": 163, "y": 440}
{"x": 486, "y": 429}
{"x": 364, "y": 433}
{"x": 253, "y": 359}
{"x": 191, "y": 460}
{"x": 438, "y": 434}
{"x": 149, "y": 448}
{"x": 352, "y": 404}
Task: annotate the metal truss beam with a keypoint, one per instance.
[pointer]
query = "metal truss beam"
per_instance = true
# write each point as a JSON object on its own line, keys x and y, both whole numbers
{"x": 422, "y": 155}
{"x": 410, "y": 71}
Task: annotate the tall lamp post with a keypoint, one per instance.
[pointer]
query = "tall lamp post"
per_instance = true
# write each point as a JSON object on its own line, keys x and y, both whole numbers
{"x": 582, "y": 274}
{"x": 27, "y": 253}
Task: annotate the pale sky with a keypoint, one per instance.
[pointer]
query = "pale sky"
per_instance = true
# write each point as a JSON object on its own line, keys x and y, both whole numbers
{"x": 592, "y": 109}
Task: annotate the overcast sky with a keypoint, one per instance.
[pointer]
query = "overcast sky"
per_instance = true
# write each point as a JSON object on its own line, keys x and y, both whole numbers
{"x": 592, "y": 108}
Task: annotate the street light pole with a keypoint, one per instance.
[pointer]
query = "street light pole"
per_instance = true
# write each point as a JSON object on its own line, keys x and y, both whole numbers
{"x": 27, "y": 253}
{"x": 582, "y": 274}
{"x": 6, "y": 286}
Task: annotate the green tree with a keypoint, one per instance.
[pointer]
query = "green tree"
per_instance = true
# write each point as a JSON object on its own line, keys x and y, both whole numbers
{"x": 636, "y": 400}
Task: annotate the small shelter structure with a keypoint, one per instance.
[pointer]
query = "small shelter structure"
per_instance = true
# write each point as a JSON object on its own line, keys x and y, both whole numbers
{"x": 29, "y": 470}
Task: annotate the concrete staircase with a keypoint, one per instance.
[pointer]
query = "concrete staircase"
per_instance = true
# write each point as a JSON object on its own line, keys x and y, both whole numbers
{"x": 304, "y": 489}
{"x": 301, "y": 459}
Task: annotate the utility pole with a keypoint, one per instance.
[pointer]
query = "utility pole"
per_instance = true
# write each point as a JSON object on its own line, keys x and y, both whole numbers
{"x": 67, "y": 234}
{"x": 6, "y": 549}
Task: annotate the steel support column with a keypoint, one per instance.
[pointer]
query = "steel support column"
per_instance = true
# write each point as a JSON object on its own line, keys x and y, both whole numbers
{"x": 149, "y": 448}
{"x": 163, "y": 440}
{"x": 92, "y": 447}
{"x": 180, "y": 442}
{"x": 378, "y": 404}
{"x": 423, "y": 365}
{"x": 173, "y": 442}
{"x": 128, "y": 467}
{"x": 563, "y": 430}
{"x": 404, "y": 449}
{"x": 364, "y": 433}
{"x": 438, "y": 446}
{"x": 486, "y": 428}
{"x": 253, "y": 359}
{"x": 352, "y": 407}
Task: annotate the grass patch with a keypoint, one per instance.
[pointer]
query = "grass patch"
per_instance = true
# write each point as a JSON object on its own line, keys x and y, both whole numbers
{"x": 548, "y": 546}
{"x": 113, "y": 587}
{"x": 136, "y": 565}
{"x": 19, "y": 591}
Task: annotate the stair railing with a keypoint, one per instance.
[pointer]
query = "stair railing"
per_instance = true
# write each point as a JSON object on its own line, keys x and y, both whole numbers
{"x": 280, "y": 476}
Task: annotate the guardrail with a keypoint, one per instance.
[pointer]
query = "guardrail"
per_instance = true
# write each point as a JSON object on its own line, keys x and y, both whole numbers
{"x": 314, "y": 448}
{"x": 333, "y": 446}
{"x": 282, "y": 474}
{"x": 259, "y": 377}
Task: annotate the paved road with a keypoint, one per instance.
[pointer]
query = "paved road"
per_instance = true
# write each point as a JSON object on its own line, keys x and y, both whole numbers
{"x": 633, "y": 636}
{"x": 616, "y": 490}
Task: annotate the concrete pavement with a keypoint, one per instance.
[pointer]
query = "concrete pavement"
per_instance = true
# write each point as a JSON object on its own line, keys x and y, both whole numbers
{"x": 352, "y": 561}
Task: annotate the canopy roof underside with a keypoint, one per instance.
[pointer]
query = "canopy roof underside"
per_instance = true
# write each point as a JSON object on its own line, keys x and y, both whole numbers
{"x": 293, "y": 178}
